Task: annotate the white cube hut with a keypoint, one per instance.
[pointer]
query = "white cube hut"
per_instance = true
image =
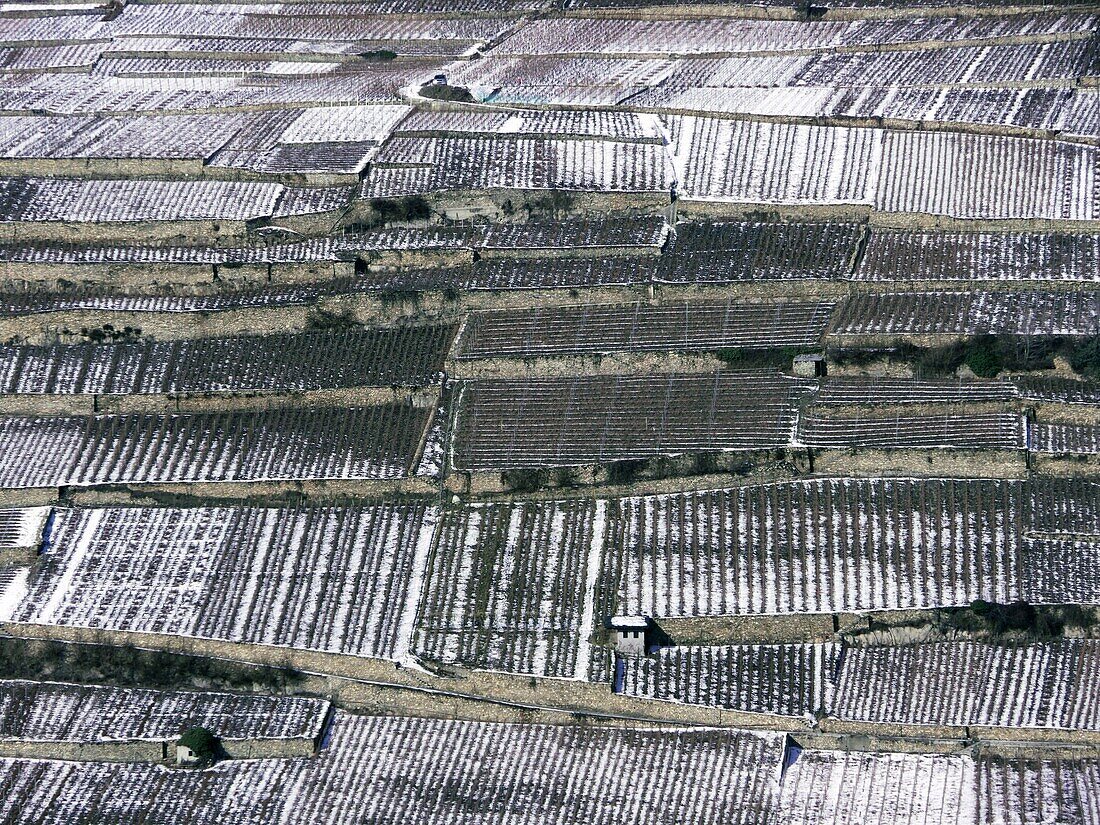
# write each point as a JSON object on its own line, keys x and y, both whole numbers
{"x": 630, "y": 634}
{"x": 809, "y": 366}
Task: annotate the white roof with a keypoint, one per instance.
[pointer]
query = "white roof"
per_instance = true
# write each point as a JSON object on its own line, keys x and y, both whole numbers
{"x": 640, "y": 622}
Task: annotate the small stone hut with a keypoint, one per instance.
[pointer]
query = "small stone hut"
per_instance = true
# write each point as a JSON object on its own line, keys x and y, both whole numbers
{"x": 630, "y": 634}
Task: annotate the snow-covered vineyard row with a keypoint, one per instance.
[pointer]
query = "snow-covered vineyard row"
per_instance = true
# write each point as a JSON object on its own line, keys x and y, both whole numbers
{"x": 319, "y": 27}
{"x": 528, "y": 774}
{"x": 964, "y": 256}
{"x": 843, "y": 545}
{"x": 507, "y": 588}
{"x": 344, "y": 580}
{"x": 639, "y": 234}
{"x": 79, "y": 94}
{"x": 57, "y": 712}
{"x": 1058, "y": 390}
{"x": 644, "y": 236}
{"x": 1019, "y": 792}
{"x": 1079, "y": 439}
{"x": 39, "y": 301}
{"x": 855, "y": 788}
{"x": 521, "y": 587}
{"x": 641, "y": 327}
{"x": 624, "y": 36}
{"x": 789, "y": 680}
{"x": 435, "y": 772}
{"x": 511, "y": 423}
{"x": 245, "y": 140}
{"x": 507, "y": 423}
{"x": 969, "y": 431}
{"x": 98, "y": 201}
{"x": 841, "y": 390}
{"x": 1041, "y": 685}
{"x": 965, "y": 313}
{"x": 713, "y": 325}
{"x": 1068, "y": 111}
{"x": 882, "y": 789}
{"x": 289, "y": 22}
{"x": 744, "y": 251}
{"x": 328, "y": 443}
{"x": 416, "y": 165}
{"x": 1047, "y": 685}
{"x": 516, "y": 274}
{"x": 694, "y": 252}
{"x": 407, "y": 356}
{"x": 327, "y": 248}
{"x": 937, "y": 173}
{"x": 601, "y": 125}
{"x": 21, "y": 527}
{"x": 978, "y": 66}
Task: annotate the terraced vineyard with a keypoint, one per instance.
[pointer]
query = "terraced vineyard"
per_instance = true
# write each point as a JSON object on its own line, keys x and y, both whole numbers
{"x": 790, "y": 680}
{"x": 372, "y": 761}
{"x": 956, "y": 256}
{"x": 1016, "y": 791}
{"x": 851, "y": 788}
{"x": 993, "y": 431}
{"x": 561, "y": 422}
{"x": 413, "y": 165}
{"x": 969, "y": 313}
{"x": 57, "y": 712}
{"x": 736, "y": 251}
{"x": 507, "y": 589}
{"x": 966, "y": 683}
{"x": 417, "y": 354}
{"x": 342, "y": 580}
{"x": 522, "y": 274}
{"x": 840, "y": 391}
{"x": 21, "y": 527}
{"x": 356, "y": 443}
{"x": 411, "y": 356}
{"x": 636, "y": 234}
{"x": 837, "y": 545}
{"x": 1078, "y": 439}
{"x": 641, "y": 327}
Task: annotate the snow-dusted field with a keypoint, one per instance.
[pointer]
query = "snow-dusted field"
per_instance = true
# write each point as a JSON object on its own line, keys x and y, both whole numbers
{"x": 962, "y": 176}
{"x": 292, "y": 443}
{"x": 514, "y": 423}
{"x": 409, "y": 356}
{"x": 508, "y": 588}
{"x": 639, "y": 327}
{"x": 22, "y": 527}
{"x": 435, "y": 772}
{"x": 1029, "y": 312}
{"x": 837, "y": 788}
{"x": 1078, "y": 439}
{"x": 342, "y": 580}
{"x": 958, "y": 256}
{"x": 789, "y": 680}
{"x": 1038, "y": 685}
{"x": 59, "y": 712}
{"x": 987, "y": 431}
{"x": 492, "y": 162}
{"x": 837, "y": 545}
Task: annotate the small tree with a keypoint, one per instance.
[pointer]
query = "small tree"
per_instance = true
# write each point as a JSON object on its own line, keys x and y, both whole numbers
{"x": 1085, "y": 358}
{"x": 984, "y": 357}
{"x": 201, "y": 742}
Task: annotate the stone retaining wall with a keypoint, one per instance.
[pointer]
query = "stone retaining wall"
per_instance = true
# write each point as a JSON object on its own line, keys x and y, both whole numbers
{"x": 315, "y": 490}
{"x": 87, "y": 404}
{"x": 921, "y": 462}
